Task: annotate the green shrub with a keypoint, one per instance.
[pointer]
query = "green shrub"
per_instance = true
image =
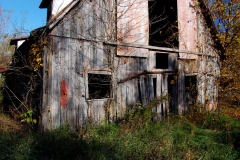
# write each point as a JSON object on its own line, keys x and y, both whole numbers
{"x": 212, "y": 136}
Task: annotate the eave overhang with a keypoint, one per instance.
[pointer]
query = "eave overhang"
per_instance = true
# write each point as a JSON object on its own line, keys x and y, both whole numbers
{"x": 15, "y": 40}
{"x": 45, "y": 3}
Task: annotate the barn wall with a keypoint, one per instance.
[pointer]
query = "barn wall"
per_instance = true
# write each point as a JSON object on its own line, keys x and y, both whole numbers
{"x": 68, "y": 60}
{"x": 76, "y": 49}
{"x": 194, "y": 35}
{"x": 209, "y": 72}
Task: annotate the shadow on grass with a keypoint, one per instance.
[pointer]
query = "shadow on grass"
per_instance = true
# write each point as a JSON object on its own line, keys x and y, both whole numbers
{"x": 176, "y": 138}
{"x": 57, "y": 144}
{"x": 62, "y": 144}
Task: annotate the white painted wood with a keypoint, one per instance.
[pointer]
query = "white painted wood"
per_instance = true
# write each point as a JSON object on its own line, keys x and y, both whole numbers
{"x": 58, "y": 5}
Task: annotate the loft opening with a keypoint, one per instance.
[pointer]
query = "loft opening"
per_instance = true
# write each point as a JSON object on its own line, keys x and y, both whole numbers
{"x": 163, "y": 23}
{"x": 161, "y": 61}
{"x": 99, "y": 86}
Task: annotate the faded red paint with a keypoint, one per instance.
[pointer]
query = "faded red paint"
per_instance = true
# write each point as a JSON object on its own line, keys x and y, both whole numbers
{"x": 131, "y": 26}
{"x": 64, "y": 94}
{"x": 187, "y": 24}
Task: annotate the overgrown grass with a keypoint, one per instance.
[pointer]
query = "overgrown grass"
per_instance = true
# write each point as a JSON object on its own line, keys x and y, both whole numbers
{"x": 200, "y": 136}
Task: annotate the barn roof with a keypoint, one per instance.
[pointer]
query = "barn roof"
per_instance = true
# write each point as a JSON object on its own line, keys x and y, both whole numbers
{"x": 44, "y": 3}
{"x": 213, "y": 30}
{"x": 3, "y": 69}
{"x": 15, "y": 40}
{"x": 62, "y": 13}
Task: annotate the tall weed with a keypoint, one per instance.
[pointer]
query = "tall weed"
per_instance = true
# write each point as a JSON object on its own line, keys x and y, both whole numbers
{"x": 199, "y": 136}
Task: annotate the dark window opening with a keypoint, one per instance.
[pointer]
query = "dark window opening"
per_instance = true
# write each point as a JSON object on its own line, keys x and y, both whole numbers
{"x": 172, "y": 92}
{"x": 161, "y": 61}
{"x": 163, "y": 23}
{"x": 99, "y": 86}
{"x": 155, "y": 87}
{"x": 190, "y": 90}
{"x": 140, "y": 91}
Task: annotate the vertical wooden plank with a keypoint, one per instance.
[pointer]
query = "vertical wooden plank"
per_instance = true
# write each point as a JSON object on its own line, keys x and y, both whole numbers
{"x": 132, "y": 70}
{"x": 79, "y": 84}
{"x": 136, "y": 93}
{"x": 65, "y": 60}
{"x": 55, "y": 89}
{"x": 135, "y": 81}
{"x": 180, "y": 89}
{"x": 45, "y": 122}
{"x": 72, "y": 83}
{"x": 100, "y": 56}
{"x": 143, "y": 90}
{"x": 123, "y": 99}
{"x": 77, "y": 89}
{"x": 94, "y": 55}
{"x": 152, "y": 60}
{"x": 159, "y": 94}
{"x": 128, "y": 94}
{"x": 166, "y": 93}
{"x": 49, "y": 82}
{"x": 150, "y": 88}
{"x": 70, "y": 80}
{"x": 75, "y": 95}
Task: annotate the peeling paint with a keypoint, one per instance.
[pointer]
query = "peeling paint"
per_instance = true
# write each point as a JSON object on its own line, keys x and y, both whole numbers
{"x": 64, "y": 94}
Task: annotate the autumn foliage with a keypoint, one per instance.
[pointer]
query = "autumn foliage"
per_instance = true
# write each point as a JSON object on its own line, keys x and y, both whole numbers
{"x": 226, "y": 14}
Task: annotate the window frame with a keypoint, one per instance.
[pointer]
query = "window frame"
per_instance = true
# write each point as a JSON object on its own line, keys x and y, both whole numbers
{"x": 97, "y": 72}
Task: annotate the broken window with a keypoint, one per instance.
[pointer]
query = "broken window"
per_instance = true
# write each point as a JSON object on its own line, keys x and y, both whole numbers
{"x": 161, "y": 61}
{"x": 190, "y": 90}
{"x": 99, "y": 86}
{"x": 163, "y": 23}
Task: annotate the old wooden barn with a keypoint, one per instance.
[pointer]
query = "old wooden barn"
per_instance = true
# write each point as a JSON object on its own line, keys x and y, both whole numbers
{"x": 103, "y": 56}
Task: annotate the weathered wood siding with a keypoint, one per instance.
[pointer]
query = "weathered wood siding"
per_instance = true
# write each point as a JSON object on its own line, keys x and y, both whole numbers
{"x": 76, "y": 48}
{"x": 194, "y": 35}
{"x": 68, "y": 60}
{"x": 209, "y": 70}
